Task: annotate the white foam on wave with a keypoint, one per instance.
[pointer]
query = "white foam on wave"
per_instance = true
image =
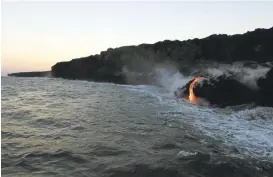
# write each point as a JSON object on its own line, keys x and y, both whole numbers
{"x": 250, "y": 136}
{"x": 183, "y": 154}
{"x": 250, "y": 131}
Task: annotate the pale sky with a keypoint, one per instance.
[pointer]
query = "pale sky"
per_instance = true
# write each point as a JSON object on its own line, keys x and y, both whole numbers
{"x": 36, "y": 35}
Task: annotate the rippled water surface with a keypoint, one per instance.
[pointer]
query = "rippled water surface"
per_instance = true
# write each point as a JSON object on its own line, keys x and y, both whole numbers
{"x": 55, "y": 127}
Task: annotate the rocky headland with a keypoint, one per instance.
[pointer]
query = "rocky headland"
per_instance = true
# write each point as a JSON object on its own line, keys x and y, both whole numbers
{"x": 137, "y": 65}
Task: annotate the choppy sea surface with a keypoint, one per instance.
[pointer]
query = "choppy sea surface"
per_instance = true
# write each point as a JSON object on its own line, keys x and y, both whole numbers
{"x": 56, "y": 127}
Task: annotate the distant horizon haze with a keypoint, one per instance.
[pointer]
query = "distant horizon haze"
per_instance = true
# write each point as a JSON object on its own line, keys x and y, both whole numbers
{"x": 36, "y": 35}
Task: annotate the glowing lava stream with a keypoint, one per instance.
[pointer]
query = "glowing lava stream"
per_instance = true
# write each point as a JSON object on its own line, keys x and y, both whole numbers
{"x": 192, "y": 97}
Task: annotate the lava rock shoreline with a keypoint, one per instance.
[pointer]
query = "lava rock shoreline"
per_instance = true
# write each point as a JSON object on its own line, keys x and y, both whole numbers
{"x": 227, "y": 90}
{"x": 136, "y": 64}
{"x": 133, "y": 64}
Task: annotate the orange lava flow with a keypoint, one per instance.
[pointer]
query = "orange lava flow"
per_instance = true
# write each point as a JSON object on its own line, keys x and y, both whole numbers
{"x": 192, "y": 97}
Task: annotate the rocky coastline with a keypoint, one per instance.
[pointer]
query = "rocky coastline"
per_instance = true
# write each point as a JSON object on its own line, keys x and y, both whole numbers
{"x": 136, "y": 65}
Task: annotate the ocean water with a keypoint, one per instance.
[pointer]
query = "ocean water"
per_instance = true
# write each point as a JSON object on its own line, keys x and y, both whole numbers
{"x": 57, "y": 127}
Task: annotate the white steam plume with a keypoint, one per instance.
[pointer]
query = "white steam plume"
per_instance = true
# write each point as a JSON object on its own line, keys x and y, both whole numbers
{"x": 245, "y": 75}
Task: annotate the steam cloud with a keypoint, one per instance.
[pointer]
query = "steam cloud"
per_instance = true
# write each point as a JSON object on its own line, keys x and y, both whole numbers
{"x": 245, "y": 75}
{"x": 167, "y": 74}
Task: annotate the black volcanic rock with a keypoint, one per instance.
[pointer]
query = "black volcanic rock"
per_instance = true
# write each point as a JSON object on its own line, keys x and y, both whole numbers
{"x": 251, "y": 46}
{"x": 31, "y": 74}
{"x": 89, "y": 68}
{"x": 226, "y": 90}
{"x": 133, "y": 64}
{"x": 266, "y": 89}
{"x": 221, "y": 91}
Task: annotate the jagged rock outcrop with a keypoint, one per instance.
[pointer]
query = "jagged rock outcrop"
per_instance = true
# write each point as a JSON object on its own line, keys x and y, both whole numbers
{"x": 115, "y": 65}
{"x": 227, "y": 90}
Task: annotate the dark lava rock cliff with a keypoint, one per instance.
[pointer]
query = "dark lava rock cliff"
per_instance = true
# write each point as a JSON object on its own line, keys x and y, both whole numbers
{"x": 138, "y": 64}
{"x": 134, "y": 64}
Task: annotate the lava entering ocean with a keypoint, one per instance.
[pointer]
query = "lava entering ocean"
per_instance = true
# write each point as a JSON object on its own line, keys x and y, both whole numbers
{"x": 192, "y": 97}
